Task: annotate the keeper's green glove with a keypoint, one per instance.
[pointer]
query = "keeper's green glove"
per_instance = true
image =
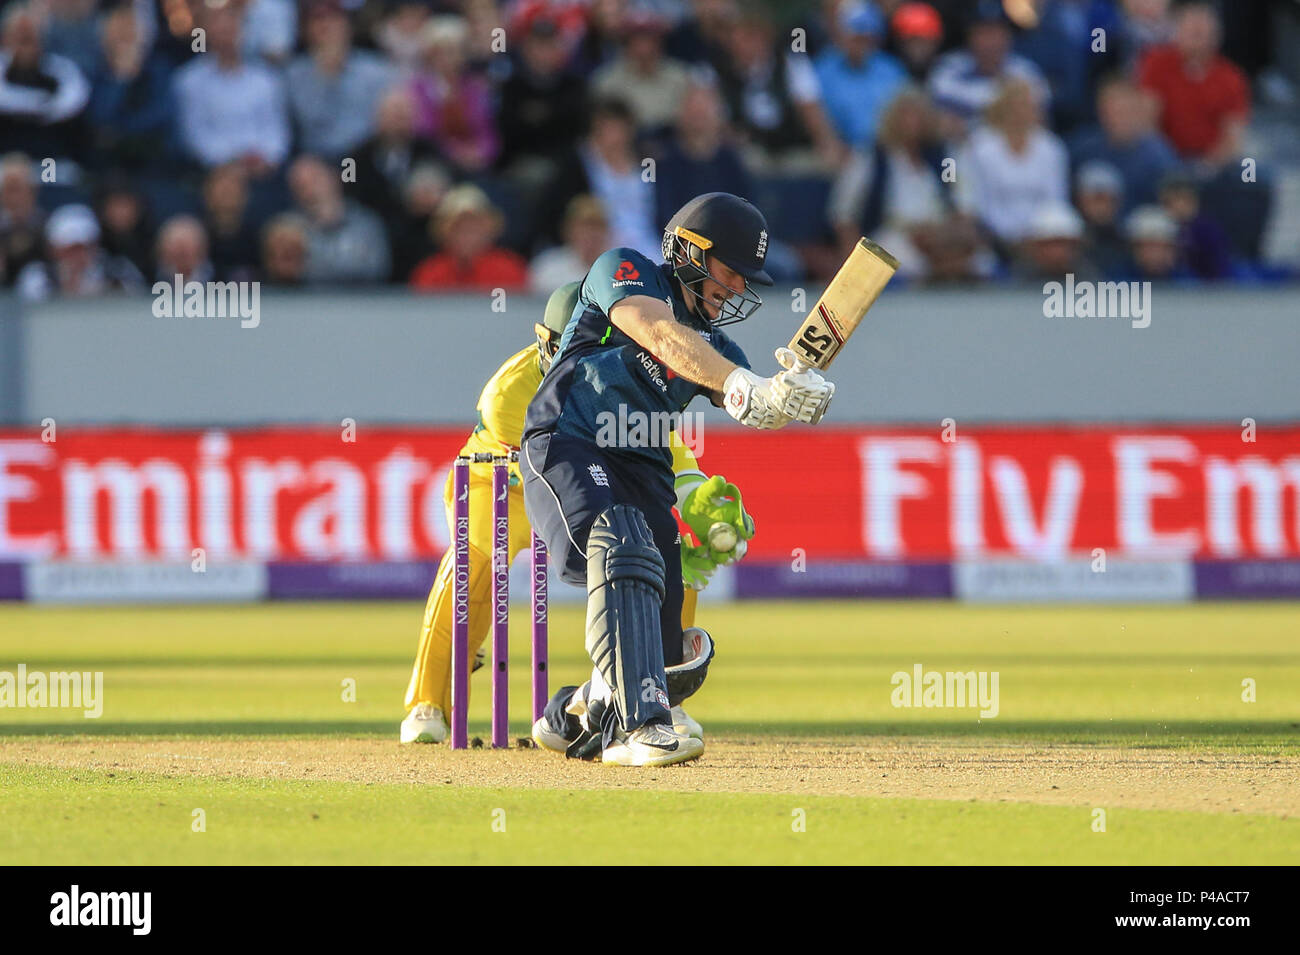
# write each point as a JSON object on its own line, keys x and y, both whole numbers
{"x": 716, "y": 515}
{"x": 697, "y": 566}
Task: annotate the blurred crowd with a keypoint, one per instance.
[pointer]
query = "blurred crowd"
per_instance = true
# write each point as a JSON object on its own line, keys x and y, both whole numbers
{"x": 482, "y": 144}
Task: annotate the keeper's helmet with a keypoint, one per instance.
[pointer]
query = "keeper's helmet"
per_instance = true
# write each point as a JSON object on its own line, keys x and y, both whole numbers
{"x": 559, "y": 308}
{"x": 730, "y": 229}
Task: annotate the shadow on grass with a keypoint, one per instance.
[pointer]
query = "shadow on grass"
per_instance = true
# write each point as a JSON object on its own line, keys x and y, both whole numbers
{"x": 1128, "y": 732}
{"x": 1103, "y": 732}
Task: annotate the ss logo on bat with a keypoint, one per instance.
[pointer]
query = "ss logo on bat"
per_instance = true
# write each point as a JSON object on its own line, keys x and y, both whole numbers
{"x": 814, "y": 344}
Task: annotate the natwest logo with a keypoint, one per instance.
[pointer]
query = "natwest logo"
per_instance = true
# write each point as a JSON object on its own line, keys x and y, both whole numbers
{"x": 652, "y": 367}
{"x": 626, "y": 272}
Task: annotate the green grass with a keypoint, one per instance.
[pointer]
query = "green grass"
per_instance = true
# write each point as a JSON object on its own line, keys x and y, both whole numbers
{"x": 1169, "y": 676}
{"x": 1131, "y": 676}
{"x": 148, "y": 819}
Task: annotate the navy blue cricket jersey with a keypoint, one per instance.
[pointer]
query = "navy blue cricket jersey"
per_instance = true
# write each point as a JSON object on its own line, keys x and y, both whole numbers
{"x": 598, "y": 368}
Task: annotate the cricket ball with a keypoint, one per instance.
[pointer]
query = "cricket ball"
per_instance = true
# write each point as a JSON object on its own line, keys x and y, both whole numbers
{"x": 722, "y": 537}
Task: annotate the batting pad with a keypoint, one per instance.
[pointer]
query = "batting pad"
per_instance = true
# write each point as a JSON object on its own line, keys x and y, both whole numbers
{"x": 625, "y": 590}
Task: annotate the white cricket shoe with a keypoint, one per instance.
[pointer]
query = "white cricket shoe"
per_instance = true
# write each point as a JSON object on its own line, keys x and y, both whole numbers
{"x": 424, "y": 724}
{"x": 685, "y": 725}
{"x": 654, "y": 744}
{"x": 547, "y": 738}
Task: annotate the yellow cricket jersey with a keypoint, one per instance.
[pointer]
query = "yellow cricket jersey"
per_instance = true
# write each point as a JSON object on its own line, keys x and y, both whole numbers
{"x": 504, "y": 401}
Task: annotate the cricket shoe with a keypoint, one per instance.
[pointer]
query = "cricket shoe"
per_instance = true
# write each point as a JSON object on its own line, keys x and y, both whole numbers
{"x": 685, "y": 725}
{"x": 545, "y": 736}
{"x": 424, "y": 724}
{"x": 652, "y": 744}
{"x": 561, "y": 723}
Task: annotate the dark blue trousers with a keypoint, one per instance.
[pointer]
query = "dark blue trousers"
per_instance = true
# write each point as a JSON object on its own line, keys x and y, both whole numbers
{"x": 569, "y": 482}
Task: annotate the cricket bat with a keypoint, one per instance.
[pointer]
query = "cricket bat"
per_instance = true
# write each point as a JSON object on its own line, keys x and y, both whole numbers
{"x": 840, "y": 310}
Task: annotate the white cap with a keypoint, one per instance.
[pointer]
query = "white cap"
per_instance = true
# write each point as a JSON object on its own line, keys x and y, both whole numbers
{"x": 1097, "y": 175}
{"x": 1150, "y": 224}
{"x": 1056, "y": 220}
{"x": 71, "y": 225}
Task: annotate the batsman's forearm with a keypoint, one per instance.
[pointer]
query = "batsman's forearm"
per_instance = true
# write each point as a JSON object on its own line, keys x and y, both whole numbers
{"x": 649, "y": 322}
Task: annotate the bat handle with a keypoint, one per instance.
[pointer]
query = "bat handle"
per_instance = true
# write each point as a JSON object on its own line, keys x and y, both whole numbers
{"x": 797, "y": 365}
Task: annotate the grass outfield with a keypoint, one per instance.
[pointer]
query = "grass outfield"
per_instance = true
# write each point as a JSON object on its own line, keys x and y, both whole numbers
{"x": 239, "y": 711}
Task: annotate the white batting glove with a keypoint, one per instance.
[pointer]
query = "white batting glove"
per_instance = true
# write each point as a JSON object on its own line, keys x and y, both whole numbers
{"x": 751, "y": 400}
{"x": 803, "y": 395}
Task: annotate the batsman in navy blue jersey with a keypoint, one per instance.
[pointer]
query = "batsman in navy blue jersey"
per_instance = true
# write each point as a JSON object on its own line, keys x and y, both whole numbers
{"x": 644, "y": 340}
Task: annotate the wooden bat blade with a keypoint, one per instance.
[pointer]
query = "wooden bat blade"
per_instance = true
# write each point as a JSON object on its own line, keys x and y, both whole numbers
{"x": 840, "y": 310}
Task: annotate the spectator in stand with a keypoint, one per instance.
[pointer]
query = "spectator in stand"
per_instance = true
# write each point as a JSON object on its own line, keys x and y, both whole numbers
{"x": 606, "y": 164}
{"x": 573, "y": 18}
{"x": 270, "y": 30}
{"x": 130, "y": 112}
{"x": 1011, "y": 165}
{"x": 774, "y": 99}
{"x": 542, "y": 103}
{"x": 333, "y": 88}
{"x": 964, "y": 82}
{"x": 228, "y": 109}
{"x": 704, "y": 33}
{"x": 77, "y": 267}
{"x": 1146, "y": 24}
{"x": 400, "y": 34}
{"x": 42, "y": 95}
{"x": 1126, "y": 139}
{"x": 1204, "y": 98}
{"x": 918, "y": 35}
{"x": 482, "y": 51}
{"x": 586, "y": 235}
{"x": 453, "y": 107}
{"x": 893, "y": 190}
{"x": 22, "y": 221}
{"x": 71, "y": 31}
{"x": 346, "y": 242}
{"x": 858, "y": 80}
{"x": 957, "y": 255}
{"x": 183, "y": 250}
{"x": 411, "y": 230}
{"x": 1153, "y": 247}
{"x": 650, "y": 83}
{"x": 1202, "y": 243}
{"x": 127, "y": 228}
{"x": 284, "y": 251}
{"x": 1053, "y": 247}
{"x": 698, "y": 158}
{"x": 819, "y": 22}
{"x": 385, "y": 162}
{"x": 1099, "y": 196}
{"x": 466, "y": 228}
{"x": 603, "y": 37}
{"x": 1062, "y": 46}
{"x": 232, "y": 237}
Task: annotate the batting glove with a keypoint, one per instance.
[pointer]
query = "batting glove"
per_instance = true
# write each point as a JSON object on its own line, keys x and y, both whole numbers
{"x": 752, "y": 401}
{"x": 803, "y": 394}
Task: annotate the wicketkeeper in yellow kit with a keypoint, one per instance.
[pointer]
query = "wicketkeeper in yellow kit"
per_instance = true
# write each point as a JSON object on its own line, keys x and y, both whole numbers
{"x": 702, "y": 501}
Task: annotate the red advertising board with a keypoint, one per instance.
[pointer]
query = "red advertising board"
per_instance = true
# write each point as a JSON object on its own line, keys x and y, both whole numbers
{"x": 835, "y": 493}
